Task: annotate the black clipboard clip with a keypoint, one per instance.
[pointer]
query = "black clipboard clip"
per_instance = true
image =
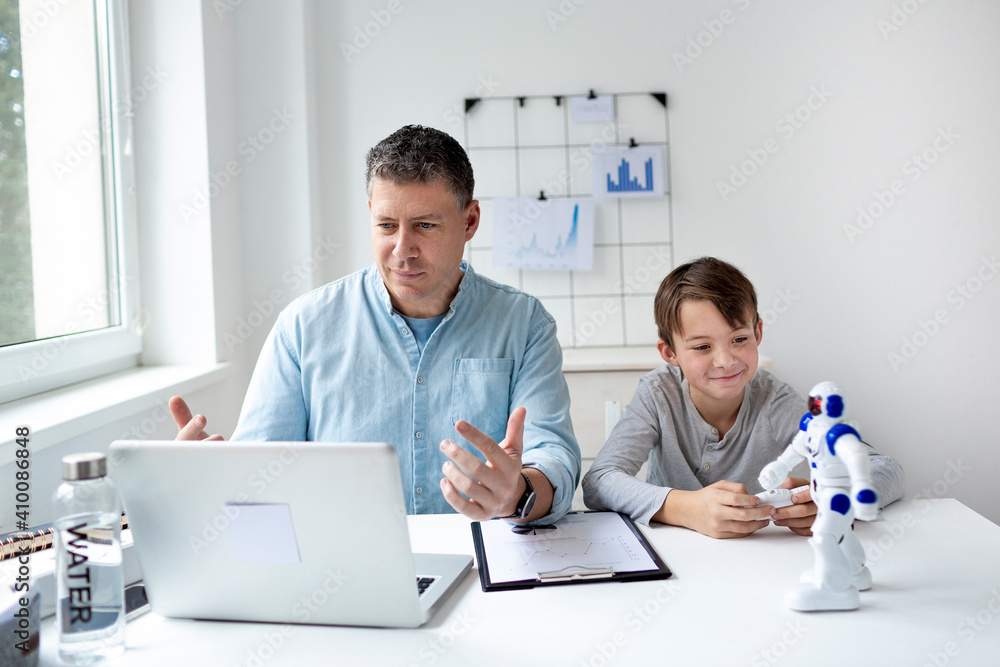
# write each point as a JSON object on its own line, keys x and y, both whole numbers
{"x": 576, "y": 573}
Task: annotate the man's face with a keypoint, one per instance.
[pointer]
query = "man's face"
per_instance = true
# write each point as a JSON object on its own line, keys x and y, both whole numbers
{"x": 419, "y": 235}
{"x": 717, "y": 360}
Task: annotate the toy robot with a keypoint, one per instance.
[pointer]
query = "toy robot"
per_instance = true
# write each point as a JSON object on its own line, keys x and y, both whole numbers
{"x": 842, "y": 490}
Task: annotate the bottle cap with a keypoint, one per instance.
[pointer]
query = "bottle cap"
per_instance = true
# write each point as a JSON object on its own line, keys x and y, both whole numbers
{"x": 84, "y": 466}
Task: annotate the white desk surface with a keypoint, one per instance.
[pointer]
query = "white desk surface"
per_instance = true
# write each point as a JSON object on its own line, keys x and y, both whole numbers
{"x": 935, "y": 601}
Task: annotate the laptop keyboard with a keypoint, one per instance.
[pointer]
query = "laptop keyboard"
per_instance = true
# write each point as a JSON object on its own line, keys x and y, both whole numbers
{"x": 423, "y": 583}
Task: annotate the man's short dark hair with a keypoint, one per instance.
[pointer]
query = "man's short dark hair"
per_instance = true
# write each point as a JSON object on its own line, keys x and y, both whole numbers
{"x": 417, "y": 154}
{"x": 705, "y": 279}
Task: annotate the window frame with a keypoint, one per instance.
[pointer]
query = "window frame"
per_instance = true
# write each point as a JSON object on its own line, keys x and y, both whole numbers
{"x": 37, "y": 366}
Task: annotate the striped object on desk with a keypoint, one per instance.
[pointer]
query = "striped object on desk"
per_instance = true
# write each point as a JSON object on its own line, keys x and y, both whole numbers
{"x": 39, "y": 538}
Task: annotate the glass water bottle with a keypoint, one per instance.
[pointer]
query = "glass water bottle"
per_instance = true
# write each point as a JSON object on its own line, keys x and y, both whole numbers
{"x": 90, "y": 599}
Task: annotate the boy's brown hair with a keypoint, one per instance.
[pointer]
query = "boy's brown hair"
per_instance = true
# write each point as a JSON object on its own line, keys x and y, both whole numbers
{"x": 705, "y": 279}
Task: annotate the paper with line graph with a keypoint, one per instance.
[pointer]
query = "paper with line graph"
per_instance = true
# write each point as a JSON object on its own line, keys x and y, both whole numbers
{"x": 583, "y": 540}
{"x": 543, "y": 234}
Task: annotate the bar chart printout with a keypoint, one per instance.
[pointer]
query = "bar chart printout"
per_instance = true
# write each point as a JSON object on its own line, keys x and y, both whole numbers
{"x": 629, "y": 172}
{"x": 627, "y": 183}
{"x": 543, "y": 234}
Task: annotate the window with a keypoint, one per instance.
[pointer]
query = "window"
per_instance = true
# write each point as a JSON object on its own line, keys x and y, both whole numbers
{"x": 68, "y": 284}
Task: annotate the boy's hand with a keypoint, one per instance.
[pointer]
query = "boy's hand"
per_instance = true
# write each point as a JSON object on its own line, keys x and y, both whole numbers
{"x": 718, "y": 510}
{"x": 799, "y": 516}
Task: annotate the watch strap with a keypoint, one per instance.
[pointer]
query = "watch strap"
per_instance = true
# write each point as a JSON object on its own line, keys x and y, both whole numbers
{"x": 525, "y": 502}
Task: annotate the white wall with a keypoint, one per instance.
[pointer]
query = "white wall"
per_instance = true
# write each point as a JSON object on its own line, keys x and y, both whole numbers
{"x": 294, "y": 216}
{"x": 835, "y": 307}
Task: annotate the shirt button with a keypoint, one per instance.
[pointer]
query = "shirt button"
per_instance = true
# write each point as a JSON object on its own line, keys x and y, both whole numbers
{"x": 715, "y": 431}
{"x": 706, "y": 467}
{"x": 419, "y": 434}
{"x": 420, "y": 379}
{"x": 419, "y": 490}
{"x": 711, "y": 448}
{"x": 405, "y": 331}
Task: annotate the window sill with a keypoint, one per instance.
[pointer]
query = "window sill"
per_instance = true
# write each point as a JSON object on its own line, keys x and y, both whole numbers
{"x": 58, "y": 415}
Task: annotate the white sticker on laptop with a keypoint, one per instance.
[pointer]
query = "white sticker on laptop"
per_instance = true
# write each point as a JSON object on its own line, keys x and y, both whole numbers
{"x": 262, "y": 533}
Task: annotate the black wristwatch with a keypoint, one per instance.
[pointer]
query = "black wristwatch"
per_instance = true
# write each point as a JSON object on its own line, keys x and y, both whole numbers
{"x": 526, "y": 503}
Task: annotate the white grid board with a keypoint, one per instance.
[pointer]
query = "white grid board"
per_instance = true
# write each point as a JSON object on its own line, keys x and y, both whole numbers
{"x": 522, "y": 146}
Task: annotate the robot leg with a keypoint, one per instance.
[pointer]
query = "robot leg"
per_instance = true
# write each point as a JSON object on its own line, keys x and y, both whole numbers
{"x": 854, "y": 551}
{"x": 832, "y": 584}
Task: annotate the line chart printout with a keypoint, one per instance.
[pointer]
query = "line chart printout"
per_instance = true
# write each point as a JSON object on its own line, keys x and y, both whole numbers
{"x": 543, "y": 234}
{"x": 578, "y": 540}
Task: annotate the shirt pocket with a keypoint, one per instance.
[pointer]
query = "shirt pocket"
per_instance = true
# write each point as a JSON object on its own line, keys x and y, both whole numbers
{"x": 480, "y": 394}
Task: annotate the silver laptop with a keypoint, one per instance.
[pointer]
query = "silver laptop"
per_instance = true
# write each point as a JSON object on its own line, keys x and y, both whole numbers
{"x": 287, "y": 532}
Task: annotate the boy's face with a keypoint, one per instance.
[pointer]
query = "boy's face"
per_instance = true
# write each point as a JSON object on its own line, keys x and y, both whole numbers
{"x": 717, "y": 360}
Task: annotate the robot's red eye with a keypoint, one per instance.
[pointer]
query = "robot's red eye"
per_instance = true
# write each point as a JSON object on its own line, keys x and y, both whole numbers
{"x": 815, "y": 405}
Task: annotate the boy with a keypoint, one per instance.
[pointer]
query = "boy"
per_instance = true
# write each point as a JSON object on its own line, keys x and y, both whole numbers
{"x": 709, "y": 420}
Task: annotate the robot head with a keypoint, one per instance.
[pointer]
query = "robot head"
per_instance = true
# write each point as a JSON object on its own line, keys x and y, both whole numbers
{"x": 826, "y": 399}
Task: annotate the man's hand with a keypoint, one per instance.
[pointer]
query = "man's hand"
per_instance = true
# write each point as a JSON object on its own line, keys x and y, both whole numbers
{"x": 484, "y": 490}
{"x": 799, "y": 516}
{"x": 189, "y": 427}
{"x": 718, "y": 510}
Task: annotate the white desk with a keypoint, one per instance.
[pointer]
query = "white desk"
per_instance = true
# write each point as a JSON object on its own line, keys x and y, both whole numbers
{"x": 935, "y": 600}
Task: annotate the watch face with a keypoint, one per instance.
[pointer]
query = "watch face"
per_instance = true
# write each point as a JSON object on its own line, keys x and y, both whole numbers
{"x": 527, "y": 501}
{"x": 528, "y": 505}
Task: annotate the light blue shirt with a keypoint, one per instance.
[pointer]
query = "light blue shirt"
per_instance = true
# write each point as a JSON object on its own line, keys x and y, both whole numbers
{"x": 340, "y": 365}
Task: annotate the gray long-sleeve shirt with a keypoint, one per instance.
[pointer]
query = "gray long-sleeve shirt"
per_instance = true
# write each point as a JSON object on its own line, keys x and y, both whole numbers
{"x": 662, "y": 425}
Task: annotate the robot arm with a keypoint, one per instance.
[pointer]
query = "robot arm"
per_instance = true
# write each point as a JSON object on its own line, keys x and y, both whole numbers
{"x": 775, "y": 472}
{"x": 848, "y": 446}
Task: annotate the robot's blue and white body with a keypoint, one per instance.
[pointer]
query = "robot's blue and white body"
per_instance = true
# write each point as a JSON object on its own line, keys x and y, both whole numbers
{"x": 842, "y": 490}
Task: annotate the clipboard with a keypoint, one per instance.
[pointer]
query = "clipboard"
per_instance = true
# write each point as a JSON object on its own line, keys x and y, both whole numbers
{"x": 582, "y": 547}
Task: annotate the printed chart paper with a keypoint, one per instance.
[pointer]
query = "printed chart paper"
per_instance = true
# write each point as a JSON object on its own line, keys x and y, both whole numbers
{"x": 543, "y": 234}
{"x": 628, "y": 172}
{"x": 583, "y": 540}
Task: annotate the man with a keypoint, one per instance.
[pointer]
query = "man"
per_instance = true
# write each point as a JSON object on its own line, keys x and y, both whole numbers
{"x": 418, "y": 347}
